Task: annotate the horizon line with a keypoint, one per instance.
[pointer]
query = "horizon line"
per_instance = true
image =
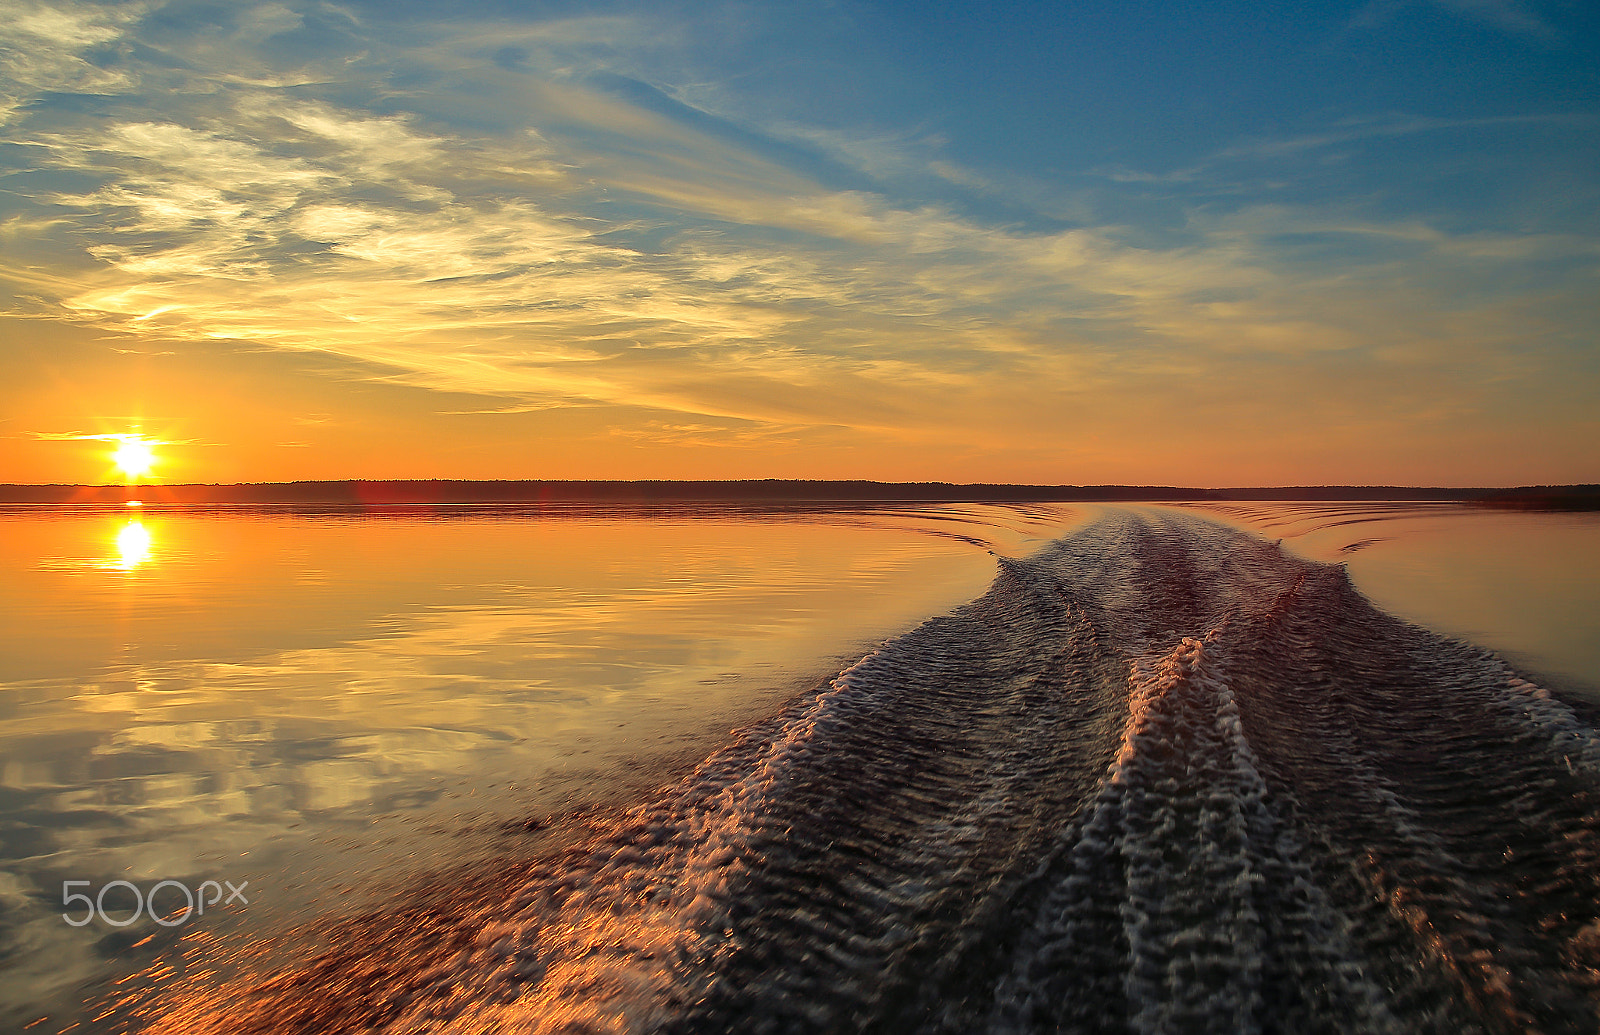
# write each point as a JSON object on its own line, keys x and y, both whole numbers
{"x": 438, "y": 491}
{"x": 788, "y": 481}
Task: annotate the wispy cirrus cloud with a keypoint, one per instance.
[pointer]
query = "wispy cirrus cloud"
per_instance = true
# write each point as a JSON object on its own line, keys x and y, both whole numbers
{"x": 1311, "y": 145}
{"x": 44, "y": 48}
{"x": 1510, "y": 16}
{"x": 471, "y": 209}
{"x": 137, "y": 437}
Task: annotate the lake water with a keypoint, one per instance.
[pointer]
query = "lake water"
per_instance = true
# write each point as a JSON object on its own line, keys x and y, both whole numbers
{"x": 307, "y": 699}
{"x": 324, "y": 704}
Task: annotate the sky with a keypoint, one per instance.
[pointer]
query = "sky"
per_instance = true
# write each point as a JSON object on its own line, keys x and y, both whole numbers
{"x": 1127, "y": 242}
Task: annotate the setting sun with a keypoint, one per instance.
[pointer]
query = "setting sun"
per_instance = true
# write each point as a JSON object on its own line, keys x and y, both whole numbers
{"x": 135, "y": 457}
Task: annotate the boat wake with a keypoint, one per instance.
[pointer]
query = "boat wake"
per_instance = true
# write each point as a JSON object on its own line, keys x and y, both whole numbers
{"x": 1161, "y": 777}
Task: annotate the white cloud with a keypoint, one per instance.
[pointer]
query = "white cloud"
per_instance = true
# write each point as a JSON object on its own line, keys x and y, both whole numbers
{"x": 42, "y": 45}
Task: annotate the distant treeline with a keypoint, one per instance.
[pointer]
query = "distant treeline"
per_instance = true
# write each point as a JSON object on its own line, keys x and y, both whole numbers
{"x": 766, "y": 491}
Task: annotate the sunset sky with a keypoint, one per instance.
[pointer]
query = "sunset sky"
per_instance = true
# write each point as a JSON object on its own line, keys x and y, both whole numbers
{"x": 1213, "y": 244}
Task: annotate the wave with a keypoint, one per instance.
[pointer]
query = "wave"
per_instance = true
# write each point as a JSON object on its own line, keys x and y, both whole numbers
{"x": 1161, "y": 777}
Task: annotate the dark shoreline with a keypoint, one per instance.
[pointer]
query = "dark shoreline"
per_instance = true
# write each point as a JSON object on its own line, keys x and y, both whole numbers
{"x": 364, "y": 493}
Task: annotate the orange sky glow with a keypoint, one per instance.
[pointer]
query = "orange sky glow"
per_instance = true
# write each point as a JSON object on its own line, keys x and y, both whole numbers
{"x": 628, "y": 247}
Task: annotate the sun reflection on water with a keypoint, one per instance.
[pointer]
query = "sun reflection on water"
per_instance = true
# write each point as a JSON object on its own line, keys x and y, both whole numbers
{"x": 133, "y": 545}
{"x": 245, "y": 693}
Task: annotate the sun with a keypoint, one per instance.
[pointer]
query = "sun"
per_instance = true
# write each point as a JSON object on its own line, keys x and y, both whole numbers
{"x": 135, "y": 457}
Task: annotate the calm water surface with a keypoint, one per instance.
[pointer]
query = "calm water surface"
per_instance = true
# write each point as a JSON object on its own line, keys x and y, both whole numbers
{"x": 306, "y": 700}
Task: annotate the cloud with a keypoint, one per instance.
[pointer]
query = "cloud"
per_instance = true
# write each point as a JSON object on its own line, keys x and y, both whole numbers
{"x": 42, "y": 50}
{"x": 513, "y": 232}
{"x": 1256, "y": 152}
{"x": 1508, "y": 16}
{"x": 74, "y": 436}
{"x": 119, "y": 437}
{"x": 1351, "y": 130}
{"x": 720, "y": 434}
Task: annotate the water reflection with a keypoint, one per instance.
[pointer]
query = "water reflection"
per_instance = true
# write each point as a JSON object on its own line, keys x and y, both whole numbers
{"x": 297, "y": 698}
{"x": 133, "y": 545}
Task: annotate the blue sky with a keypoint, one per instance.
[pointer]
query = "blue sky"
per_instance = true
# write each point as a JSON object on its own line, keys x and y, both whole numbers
{"x": 1234, "y": 244}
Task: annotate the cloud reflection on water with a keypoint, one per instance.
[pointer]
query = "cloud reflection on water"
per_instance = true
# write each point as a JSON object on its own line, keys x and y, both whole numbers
{"x": 288, "y": 695}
